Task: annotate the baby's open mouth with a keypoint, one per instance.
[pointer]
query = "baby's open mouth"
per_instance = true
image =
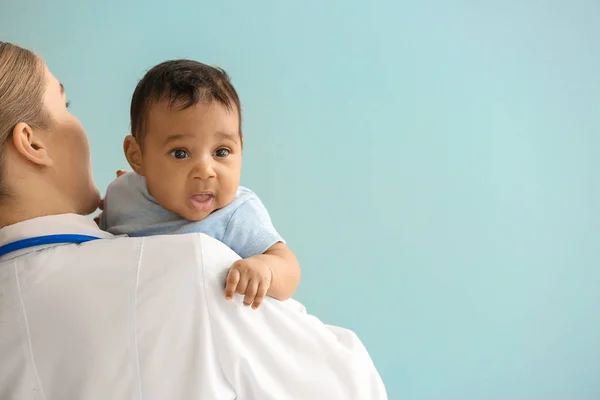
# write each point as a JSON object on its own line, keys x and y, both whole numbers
{"x": 202, "y": 201}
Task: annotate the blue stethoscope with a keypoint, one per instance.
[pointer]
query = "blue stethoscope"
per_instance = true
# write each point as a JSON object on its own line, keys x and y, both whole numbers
{"x": 43, "y": 240}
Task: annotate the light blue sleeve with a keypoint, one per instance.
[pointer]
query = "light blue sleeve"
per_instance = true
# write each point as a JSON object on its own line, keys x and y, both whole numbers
{"x": 250, "y": 230}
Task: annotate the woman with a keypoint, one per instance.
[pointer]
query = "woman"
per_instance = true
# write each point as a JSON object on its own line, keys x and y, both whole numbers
{"x": 131, "y": 318}
{"x": 45, "y": 165}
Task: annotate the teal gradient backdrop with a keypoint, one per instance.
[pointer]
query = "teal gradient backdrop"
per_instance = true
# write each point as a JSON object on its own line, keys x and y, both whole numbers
{"x": 434, "y": 164}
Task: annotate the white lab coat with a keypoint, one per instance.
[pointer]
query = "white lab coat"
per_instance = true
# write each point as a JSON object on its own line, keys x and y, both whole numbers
{"x": 145, "y": 318}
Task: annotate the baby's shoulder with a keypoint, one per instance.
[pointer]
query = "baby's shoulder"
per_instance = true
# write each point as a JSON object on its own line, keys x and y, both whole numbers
{"x": 127, "y": 183}
{"x": 243, "y": 195}
{"x": 244, "y": 206}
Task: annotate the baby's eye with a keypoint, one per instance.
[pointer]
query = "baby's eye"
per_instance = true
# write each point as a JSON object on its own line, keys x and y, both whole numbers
{"x": 222, "y": 153}
{"x": 179, "y": 154}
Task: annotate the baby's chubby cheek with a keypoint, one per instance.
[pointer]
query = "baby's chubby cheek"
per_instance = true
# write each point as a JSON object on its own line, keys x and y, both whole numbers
{"x": 165, "y": 193}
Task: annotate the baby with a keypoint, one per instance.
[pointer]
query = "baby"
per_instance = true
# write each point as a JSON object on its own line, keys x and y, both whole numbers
{"x": 185, "y": 150}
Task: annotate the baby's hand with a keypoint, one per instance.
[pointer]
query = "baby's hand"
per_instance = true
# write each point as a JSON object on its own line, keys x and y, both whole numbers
{"x": 251, "y": 277}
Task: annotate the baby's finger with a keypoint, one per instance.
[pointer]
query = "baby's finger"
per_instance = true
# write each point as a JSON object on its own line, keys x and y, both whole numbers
{"x": 242, "y": 286}
{"x": 260, "y": 295}
{"x": 231, "y": 283}
{"x": 251, "y": 293}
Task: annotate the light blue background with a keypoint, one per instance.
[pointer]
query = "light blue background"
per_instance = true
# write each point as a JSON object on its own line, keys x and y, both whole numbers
{"x": 434, "y": 164}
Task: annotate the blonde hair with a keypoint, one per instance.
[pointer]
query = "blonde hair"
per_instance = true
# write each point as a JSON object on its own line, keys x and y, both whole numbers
{"x": 22, "y": 88}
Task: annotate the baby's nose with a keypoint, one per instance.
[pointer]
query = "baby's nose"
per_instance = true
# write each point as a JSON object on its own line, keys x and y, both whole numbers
{"x": 203, "y": 170}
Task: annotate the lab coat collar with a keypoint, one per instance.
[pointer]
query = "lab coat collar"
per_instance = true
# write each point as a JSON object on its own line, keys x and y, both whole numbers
{"x": 49, "y": 225}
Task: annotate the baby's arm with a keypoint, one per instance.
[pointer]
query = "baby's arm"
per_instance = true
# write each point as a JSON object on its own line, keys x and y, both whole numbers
{"x": 275, "y": 273}
{"x": 268, "y": 267}
{"x": 285, "y": 269}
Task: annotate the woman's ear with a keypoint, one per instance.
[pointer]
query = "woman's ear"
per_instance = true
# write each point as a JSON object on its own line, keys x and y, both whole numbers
{"x": 30, "y": 146}
{"x": 133, "y": 153}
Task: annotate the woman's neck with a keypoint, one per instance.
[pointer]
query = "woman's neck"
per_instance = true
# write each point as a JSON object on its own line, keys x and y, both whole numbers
{"x": 14, "y": 209}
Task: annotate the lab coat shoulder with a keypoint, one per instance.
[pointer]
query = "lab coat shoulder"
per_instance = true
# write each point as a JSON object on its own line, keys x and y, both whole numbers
{"x": 279, "y": 351}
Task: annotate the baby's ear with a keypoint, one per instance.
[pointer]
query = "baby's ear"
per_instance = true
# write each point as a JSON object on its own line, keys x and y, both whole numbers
{"x": 133, "y": 153}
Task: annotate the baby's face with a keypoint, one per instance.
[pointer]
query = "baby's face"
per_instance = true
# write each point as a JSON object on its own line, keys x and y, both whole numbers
{"x": 192, "y": 158}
